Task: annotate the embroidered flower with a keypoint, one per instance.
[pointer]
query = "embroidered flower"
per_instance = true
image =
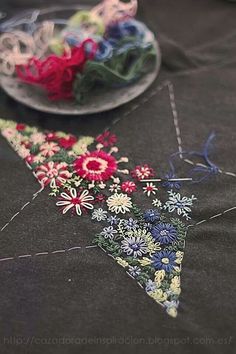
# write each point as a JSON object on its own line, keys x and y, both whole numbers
{"x": 49, "y": 149}
{"x": 134, "y": 246}
{"x": 20, "y": 127}
{"x": 67, "y": 142}
{"x": 109, "y": 232}
{"x": 157, "y": 203}
{"x": 151, "y": 215}
{"x": 182, "y": 205}
{"x": 53, "y": 173}
{"x": 130, "y": 224}
{"x": 23, "y": 151}
{"x": 164, "y": 233}
{"x": 150, "y": 189}
{"x": 113, "y": 220}
{"x": 142, "y": 172}
{"x": 150, "y": 286}
{"x": 128, "y": 187}
{"x": 99, "y": 214}
{"x": 76, "y": 202}
{"x": 171, "y": 184}
{"x": 38, "y": 138}
{"x": 95, "y": 166}
{"x": 135, "y": 271}
{"x": 81, "y": 147}
{"x": 114, "y": 188}
{"x": 9, "y": 133}
{"x": 164, "y": 260}
{"x": 106, "y": 139}
{"x": 119, "y": 203}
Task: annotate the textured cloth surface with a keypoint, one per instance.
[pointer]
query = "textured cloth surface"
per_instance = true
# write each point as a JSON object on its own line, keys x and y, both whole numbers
{"x": 85, "y": 296}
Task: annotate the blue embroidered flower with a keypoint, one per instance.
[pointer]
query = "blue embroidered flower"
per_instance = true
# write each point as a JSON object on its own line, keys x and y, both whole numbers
{"x": 113, "y": 220}
{"x": 164, "y": 260}
{"x": 171, "y": 184}
{"x": 131, "y": 224}
{"x": 109, "y": 232}
{"x": 134, "y": 271}
{"x": 151, "y": 215}
{"x": 164, "y": 233}
{"x": 150, "y": 285}
{"x": 134, "y": 246}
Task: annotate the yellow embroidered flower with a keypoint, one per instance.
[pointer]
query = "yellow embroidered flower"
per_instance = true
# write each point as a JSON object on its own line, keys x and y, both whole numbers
{"x": 175, "y": 285}
{"x": 158, "y": 295}
{"x": 7, "y": 124}
{"x": 159, "y": 276}
{"x": 172, "y": 311}
{"x": 122, "y": 262}
{"x": 145, "y": 261}
{"x": 81, "y": 146}
{"x": 179, "y": 257}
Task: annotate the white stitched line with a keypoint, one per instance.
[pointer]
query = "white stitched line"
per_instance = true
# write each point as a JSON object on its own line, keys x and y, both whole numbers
{"x": 46, "y": 253}
{"x": 175, "y": 116}
{"x": 213, "y": 217}
{"x": 22, "y": 208}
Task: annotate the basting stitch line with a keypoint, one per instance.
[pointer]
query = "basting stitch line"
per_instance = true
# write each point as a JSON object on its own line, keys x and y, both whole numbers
{"x": 213, "y": 217}
{"x": 22, "y": 208}
{"x": 38, "y": 254}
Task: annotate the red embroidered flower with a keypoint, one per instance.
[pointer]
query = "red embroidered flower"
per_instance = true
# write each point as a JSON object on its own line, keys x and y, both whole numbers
{"x": 128, "y": 187}
{"x": 100, "y": 198}
{"x": 142, "y": 172}
{"x": 53, "y": 173}
{"x": 30, "y": 159}
{"x": 20, "y": 127}
{"x": 49, "y": 149}
{"x": 68, "y": 142}
{"x": 95, "y": 166}
{"x": 106, "y": 139}
{"x": 51, "y": 137}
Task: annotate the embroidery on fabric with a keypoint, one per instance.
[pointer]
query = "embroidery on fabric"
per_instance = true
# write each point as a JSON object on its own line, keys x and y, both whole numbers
{"x": 85, "y": 177}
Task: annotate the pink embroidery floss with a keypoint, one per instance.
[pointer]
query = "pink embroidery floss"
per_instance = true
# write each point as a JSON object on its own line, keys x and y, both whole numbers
{"x": 112, "y": 11}
{"x": 56, "y": 74}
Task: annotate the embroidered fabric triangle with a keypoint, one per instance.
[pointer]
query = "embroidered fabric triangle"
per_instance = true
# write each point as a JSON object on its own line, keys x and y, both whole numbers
{"x": 87, "y": 175}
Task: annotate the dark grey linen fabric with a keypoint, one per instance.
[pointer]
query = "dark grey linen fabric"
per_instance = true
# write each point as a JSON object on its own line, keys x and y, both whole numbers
{"x": 83, "y": 302}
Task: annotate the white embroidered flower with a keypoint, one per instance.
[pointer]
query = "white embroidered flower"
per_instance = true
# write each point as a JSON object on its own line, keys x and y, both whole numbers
{"x": 74, "y": 201}
{"x": 99, "y": 214}
{"x": 182, "y": 205}
{"x": 23, "y": 151}
{"x": 149, "y": 189}
{"x": 157, "y": 203}
{"x": 109, "y": 232}
{"x": 134, "y": 246}
{"x": 49, "y": 149}
{"x": 119, "y": 203}
{"x": 114, "y": 188}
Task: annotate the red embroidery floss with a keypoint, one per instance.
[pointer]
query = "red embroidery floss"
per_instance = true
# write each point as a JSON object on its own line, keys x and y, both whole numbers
{"x": 56, "y": 74}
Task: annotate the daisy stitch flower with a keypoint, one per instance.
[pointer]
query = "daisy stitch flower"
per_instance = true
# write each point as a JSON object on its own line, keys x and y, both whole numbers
{"x": 134, "y": 271}
{"x": 157, "y": 203}
{"x": 151, "y": 215}
{"x": 49, "y": 149}
{"x": 108, "y": 232}
{"x": 164, "y": 233}
{"x": 75, "y": 202}
{"x": 142, "y": 172}
{"x": 128, "y": 187}
{"x": 114, "y": 188}
{"x": 182, "y": 205}
{"x": 130, "y": 224}
{"x": 134, "y": 246}
{"x": 38, "y": 138}
{"x": 150, "y": 189}
{"x": 150, "y": 286}
{"x": 53, "y": 173}
{"x": 113, "y": 220}
{"x": 119, "y": 203}
{"x": 99, "y": 214}
{"x": 106, "y": 139}
{"x": 164, "y": 260}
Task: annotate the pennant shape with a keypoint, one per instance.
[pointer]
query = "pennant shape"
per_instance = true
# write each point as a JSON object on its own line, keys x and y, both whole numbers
{"x": 87, "y": 175}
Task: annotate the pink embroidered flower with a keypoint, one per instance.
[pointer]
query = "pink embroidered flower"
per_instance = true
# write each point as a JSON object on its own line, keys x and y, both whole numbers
{"x": 30, "y": 159}
{"x": 53, "y": 173}
{"x": 51, "y": 137}
{"x": 23, "y": 151}
{"x": 142, "y": 172}
{"x": 74, "y": 201}
{"x": 8, "y": 133}
{"x": 49, "y": 149}
{"x": 37, "y": 138}
{"x": 67, "y": 142}
{"x": 128, "y": 187}
{"x": 95, "y": 166}
{"x": 106, "y": 139}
